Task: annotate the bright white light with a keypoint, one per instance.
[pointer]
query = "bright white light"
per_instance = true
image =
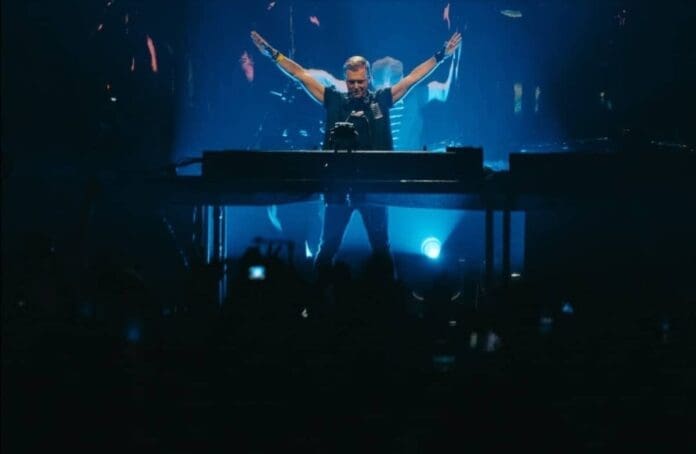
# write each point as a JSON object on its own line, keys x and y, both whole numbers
{"x": 567, "y": 308}
{"x": 307, "y": 251}
{"x": 430, "y": 247}
{"x": 257, "y": 273}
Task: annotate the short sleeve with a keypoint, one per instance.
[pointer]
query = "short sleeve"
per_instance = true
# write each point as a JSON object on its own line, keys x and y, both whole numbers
{"x": 384, "y": 98}
{"x": 332, "y": 98}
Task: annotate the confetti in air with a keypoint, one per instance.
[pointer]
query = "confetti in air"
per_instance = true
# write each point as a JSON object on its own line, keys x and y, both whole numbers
{"x": 247, "y": 66}
{"x": 132, "y": 65}
{"x": 314, "y": 20}
{"x": 100, "y": 27}
{"x": 270, "y": 6}
{"x": 512, "y": 13}
{"x": 153, "y": 54}
{"x": 446, "y": 16}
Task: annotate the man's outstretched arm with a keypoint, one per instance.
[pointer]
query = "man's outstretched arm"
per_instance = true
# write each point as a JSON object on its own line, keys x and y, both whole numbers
{"x": 400, "y": 89}
{"x": 291, "y": 68}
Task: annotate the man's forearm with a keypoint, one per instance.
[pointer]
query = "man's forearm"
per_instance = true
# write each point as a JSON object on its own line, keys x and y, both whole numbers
{"x": 290, "y": 67}
{"x": 422, "y": 70}
{"x": 401, "y": 88}
{"x": 297, "y": 72}
{"x": 284, "y": 63}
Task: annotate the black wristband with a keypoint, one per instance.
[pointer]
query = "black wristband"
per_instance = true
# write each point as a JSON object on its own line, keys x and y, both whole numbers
{"x": 439, "y": 55}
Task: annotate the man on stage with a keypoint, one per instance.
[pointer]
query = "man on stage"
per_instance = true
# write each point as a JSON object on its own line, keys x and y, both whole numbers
{"x": 368, "y": 112}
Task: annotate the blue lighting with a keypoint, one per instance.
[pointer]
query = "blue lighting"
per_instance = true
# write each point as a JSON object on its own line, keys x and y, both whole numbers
{"x": 430, "y": 247}
{"x": 567, "y": 308}
{"x": 133, "y": 331}
{"x": 257, "y": 273}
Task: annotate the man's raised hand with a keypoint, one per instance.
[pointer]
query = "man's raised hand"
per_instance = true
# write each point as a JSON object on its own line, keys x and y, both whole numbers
{"x": 261, "y": 44}
{"x": 451, "y": 45}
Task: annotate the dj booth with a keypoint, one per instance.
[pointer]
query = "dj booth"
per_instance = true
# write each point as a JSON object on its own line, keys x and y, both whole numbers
{"x": 584, "y": 182}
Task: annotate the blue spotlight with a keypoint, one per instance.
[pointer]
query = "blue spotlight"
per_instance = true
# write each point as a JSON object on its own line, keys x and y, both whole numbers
{"x": 430, "y": 247}
{"x": 134, "y": 331}
{"x": 567, "y": 308}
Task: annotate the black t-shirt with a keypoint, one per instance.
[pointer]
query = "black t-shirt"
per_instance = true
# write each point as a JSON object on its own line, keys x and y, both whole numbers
{"x": 369, "y": 116}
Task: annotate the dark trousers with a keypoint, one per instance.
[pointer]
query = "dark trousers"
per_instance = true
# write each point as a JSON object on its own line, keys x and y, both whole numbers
{"x": 336, "y": 219}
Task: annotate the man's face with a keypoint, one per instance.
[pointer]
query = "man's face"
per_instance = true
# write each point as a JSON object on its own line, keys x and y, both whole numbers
{"x": 357, "y": 82}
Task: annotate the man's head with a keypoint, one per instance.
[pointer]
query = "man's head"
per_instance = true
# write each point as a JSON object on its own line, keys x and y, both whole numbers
{"x": 386, "y": 72}
{"x": 357, "y": 70}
